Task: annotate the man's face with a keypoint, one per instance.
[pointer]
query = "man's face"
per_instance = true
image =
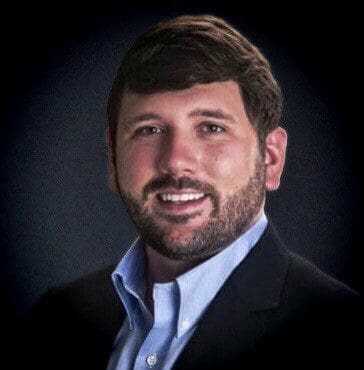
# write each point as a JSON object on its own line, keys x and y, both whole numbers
{"x": 188, "y": 168}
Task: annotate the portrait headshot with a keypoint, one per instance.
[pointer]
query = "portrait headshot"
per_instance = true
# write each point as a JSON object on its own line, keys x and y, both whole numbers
{"x": 180, "y": 191}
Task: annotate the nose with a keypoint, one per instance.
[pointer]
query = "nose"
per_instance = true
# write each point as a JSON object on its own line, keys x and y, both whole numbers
{"x": 179, "y": 155}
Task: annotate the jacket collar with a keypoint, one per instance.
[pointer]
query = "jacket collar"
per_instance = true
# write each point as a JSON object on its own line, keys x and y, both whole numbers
{"x": 230, "y": 324}
{"x": 259, "y": 279}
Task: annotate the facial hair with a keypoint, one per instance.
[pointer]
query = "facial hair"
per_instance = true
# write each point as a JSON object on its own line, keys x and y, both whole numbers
{"x": 227, "y": 221}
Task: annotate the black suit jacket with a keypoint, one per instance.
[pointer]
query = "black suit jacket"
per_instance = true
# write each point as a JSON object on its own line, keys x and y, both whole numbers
{"x": 275, "y": 309}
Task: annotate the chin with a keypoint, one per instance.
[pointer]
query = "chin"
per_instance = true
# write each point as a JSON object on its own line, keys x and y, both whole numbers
{"x": 182, "y": 231}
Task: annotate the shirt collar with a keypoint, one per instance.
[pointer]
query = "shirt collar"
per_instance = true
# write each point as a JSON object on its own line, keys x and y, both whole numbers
{"x": 128, "y": 278}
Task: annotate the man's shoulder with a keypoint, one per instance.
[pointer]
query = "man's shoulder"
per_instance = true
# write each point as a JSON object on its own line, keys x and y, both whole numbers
{"x": 91, "y": 298}
{"x": 309, "y": 281}
{"x": 88, "y": 292}
{"x": 317, "y": 315}
{"x": 76, "y": 323}
{"x": 313, "y": 299}
{"x": 95, "y": 281}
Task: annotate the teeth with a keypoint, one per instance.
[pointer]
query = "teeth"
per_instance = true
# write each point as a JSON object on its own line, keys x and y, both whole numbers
{"x": 181, "y": 197}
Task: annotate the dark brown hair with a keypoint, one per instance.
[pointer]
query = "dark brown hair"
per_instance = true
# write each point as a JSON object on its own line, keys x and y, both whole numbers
{"x": 186, "y": 50}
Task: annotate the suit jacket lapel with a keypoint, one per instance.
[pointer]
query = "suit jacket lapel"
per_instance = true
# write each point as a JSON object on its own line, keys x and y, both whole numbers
{"x": 230, "y": 325}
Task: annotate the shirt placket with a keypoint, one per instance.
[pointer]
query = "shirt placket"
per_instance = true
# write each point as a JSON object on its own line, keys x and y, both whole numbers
{"x": 156, "y": 344}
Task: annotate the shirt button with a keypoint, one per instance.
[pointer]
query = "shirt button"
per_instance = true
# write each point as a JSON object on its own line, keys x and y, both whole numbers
{"x": 185, "y": 324}
{"x": 151, "y": 360}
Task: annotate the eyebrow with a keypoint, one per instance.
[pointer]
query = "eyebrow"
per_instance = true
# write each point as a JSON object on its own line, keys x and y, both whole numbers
{"x": 212, "y": 113}
{"x": 142, "y": 117}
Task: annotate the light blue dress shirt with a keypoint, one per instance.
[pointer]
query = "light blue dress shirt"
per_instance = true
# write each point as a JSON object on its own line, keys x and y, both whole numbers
{"x": 147, "y": 341}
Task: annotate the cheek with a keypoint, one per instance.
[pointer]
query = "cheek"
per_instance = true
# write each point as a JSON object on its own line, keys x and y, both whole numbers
{"x": 135, "y": 168}
{"x": 230, "y": 165}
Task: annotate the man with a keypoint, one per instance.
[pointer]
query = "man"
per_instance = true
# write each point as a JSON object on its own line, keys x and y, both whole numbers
{"x": 194, "y": 144}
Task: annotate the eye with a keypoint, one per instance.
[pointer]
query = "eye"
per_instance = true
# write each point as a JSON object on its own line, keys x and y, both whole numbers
{"x": 212, "y": 128}
{"x": 148, "y": 130}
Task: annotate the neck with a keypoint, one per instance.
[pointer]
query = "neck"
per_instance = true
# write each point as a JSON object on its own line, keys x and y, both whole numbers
{"x": 161, "y": 269}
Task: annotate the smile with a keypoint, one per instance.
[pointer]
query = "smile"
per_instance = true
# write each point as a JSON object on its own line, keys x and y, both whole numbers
{"x": 180, "y": 197}
{"x": 173, "y": 203}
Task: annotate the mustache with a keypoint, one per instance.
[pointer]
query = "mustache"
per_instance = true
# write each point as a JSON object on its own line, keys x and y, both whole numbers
{"x": 180, "y": 183}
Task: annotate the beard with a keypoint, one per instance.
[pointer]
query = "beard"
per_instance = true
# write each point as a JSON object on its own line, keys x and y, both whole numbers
{"x": 227, "y": 220}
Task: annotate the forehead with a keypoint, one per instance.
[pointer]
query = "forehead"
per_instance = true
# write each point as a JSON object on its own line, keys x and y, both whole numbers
{"x": 224, "y": 96}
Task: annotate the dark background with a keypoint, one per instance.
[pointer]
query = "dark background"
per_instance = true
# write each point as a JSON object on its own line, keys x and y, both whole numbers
{"x": 59, "y": 220}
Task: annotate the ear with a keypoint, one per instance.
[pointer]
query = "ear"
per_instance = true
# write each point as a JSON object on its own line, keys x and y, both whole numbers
{"x": 275, "y": 156}
{"x": 112, "y": 181}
